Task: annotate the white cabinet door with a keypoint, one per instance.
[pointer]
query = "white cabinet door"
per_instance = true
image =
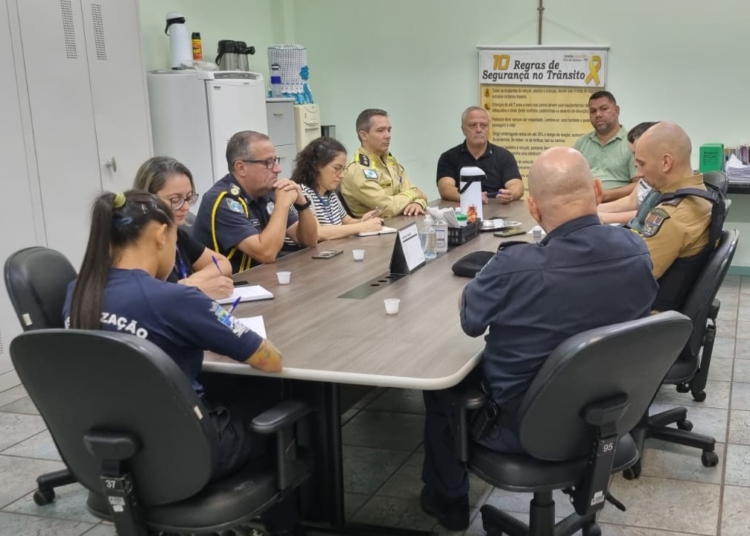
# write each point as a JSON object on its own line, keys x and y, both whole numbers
{"x": 118, "y": 86}
{"x": 233, "y": 105}
{"x": 57, "y": 75}
{"x": 16, "y": 211}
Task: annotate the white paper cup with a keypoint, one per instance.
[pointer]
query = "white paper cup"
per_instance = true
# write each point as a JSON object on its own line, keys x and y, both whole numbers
{"x": 391, "y": 306}
{"x": 284, "y": 277}
{"x": 359, "y": 254}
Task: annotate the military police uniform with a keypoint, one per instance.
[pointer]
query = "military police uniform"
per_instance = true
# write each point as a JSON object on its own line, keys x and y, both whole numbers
{"x": 681, "y": 231}
{"x": 371, "y": 182}
{"x": 228, "y": 215}
{"x": 532, "y": 297}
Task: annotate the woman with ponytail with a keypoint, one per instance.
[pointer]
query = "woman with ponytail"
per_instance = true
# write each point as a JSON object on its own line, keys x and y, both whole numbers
{"x": 319, "y": 169}
{"x": 121, "y": 287}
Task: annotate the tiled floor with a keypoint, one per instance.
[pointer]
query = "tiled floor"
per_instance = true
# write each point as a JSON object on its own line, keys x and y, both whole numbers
{"x": 675, "y": 496}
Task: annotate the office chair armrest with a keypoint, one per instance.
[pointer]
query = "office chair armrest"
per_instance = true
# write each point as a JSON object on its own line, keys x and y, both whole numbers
{"x": 463, "y": 398}
{"x": 281, "y": 420}
{"x": 280, "y": 416}
{"x": 713, "y": 311}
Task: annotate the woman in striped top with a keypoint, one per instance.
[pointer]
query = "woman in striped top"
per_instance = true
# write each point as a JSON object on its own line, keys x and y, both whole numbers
{"x": 319, "y": 169}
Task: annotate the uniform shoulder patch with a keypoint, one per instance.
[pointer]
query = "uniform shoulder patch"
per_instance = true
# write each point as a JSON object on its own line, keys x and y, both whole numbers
{"x": 364, "y": 160}
{"x": 371, "y": 174}
{"x": 234, "y": 205}
{"x": 654, "y": 221}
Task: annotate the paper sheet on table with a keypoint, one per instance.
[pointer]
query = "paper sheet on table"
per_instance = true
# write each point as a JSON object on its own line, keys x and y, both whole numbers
{"x": 384, "y": 230}
{"x": 256, "y": 324}
{"x": 249, "y": 293}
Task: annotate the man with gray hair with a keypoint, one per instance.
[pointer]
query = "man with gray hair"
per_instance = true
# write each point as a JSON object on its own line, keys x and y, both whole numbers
{"x": 531, "y": 297}
{"x": 247, "y": 215}
{"x": 503, "y": 180}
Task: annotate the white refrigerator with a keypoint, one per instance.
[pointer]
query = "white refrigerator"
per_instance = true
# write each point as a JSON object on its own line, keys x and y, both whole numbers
{"x": 194, "y": 113}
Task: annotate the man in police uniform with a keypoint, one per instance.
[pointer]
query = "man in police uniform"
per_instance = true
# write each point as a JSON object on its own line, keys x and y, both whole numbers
{"x": 247, "y": 214}
{"x": 682, "y": 229}
{"x": 606, "y": 147}
{"x": 502, "y": 179}
{"x": 533, "y": 296}
{"x": 374, "y": 179}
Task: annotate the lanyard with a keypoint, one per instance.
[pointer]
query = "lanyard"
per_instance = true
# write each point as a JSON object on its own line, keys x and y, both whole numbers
{"x": 181, "y": 267}
{"x": 327, "y": 207}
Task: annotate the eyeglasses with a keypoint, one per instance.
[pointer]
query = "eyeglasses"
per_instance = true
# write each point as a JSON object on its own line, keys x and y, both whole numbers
{"x": 270, "y": 163}
{"x": 178, "y": 202}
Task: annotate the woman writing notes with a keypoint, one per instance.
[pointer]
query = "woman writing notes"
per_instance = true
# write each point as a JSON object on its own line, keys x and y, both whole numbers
{"x": 195, "y": 265}
{"x": 121, "y": 287}
{"x": 319, "y": 169}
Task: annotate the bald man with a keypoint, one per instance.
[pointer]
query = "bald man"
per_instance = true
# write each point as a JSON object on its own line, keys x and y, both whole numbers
{"x": 533, "y": 296}
{"x": 682, "y": 229}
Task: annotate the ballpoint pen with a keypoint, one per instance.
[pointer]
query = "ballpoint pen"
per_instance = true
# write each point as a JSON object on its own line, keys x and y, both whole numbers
{"x": 216, "y": 263}
{"x": 235, "y": 304}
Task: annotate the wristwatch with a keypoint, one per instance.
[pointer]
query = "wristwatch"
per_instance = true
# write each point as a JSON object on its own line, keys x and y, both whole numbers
{"x": 300, "y": 208}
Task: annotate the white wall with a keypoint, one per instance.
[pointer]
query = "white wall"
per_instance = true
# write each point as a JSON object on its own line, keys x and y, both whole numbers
{"x": 679, "y": 60}
{"x": 240, "y": 20}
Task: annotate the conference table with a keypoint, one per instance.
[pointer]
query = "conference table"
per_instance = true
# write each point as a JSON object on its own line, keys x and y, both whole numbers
{"x": 332, "y": 340}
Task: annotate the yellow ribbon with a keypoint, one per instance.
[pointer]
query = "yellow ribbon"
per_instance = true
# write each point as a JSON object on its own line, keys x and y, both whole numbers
{"x": 595, "y": 63}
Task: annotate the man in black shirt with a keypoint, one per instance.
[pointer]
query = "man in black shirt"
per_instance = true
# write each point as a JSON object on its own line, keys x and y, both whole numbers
{"x": 503, "y": 180}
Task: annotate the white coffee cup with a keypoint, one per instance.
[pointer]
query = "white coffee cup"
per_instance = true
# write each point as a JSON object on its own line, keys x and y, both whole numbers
{"x": 359, "y": 254}
{"x": 284, "y": 277}
{"x": 391, "y": 306}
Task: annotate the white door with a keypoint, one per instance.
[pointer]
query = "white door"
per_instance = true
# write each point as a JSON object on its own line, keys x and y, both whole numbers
{"x": 233, "y": 105}
{"x": 16, "y": 211}
{"x": 118, "y": 86}
{"x": 57, "y": 75}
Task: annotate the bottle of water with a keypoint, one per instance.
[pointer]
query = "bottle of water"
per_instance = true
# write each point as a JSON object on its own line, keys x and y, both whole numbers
{"x": 275, "y": 80}
{"x": 441, "y": 236}
{"x": 427, "y": 237}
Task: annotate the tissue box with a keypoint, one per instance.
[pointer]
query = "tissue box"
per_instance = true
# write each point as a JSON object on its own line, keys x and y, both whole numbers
{"x": 461, "y": 235}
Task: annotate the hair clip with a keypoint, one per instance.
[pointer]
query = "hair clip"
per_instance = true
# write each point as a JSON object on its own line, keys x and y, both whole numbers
{"x": 119, "y": 200}
{"x": 119, "y": 222}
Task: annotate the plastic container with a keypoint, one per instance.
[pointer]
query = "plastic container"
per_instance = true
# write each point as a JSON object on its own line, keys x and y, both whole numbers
{"x": 276, "y": 80}
{"x": 427, "y": 237}
{"x": 461, "y": 218}
{"x": 441, "y": 236}
{"x": 197, "y": 47}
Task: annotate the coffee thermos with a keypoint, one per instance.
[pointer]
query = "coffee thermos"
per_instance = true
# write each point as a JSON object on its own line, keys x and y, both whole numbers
{"x": 232, "y": 55}
{"x": 180, "y": 46}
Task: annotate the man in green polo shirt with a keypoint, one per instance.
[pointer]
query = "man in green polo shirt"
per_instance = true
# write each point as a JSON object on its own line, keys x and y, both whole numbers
{"x": 606, "y": 148}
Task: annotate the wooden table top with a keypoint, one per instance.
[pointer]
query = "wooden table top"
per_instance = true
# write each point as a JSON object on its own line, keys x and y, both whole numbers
{"x": 326, "y": 338}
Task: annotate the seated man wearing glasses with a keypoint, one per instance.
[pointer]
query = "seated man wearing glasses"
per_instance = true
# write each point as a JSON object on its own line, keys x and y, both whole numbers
{"x": 247, "y": 215}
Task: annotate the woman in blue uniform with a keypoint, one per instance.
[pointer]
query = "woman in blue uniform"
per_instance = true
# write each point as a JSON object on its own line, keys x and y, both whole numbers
{"x": 319, "y": 169}
{"x": 173, "y": 183}
{"x": 121, "y": 287}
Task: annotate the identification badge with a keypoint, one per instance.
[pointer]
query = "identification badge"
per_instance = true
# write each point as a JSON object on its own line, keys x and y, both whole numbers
{"x": 234, "y": 190}
{"x": 234, "y": 206}
{"x": 255, "y": 222}
{"x": 269, "y": 207}
{"x": 371, "y": 174}
{"x": 654, "y": 221}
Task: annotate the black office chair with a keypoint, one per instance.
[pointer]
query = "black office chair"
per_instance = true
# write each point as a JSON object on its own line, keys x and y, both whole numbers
{"x": 37, "y": 280}
{"x": 133, "y": 431}
{"x": 574, "y": 422}
{"x": 690, "y": 370}
{"x": 718, "y": 181}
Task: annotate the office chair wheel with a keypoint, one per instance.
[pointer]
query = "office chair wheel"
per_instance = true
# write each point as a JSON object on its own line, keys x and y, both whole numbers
{"x": 43, "y": 497}
{"x": 699, "y": 396}
{"x": 632, "y": 472}
{"x": 684, "y": 425}
{"x": 709, "y": 459}
{"x": 592, "y": 530}
{"x": 682, "y": 388}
